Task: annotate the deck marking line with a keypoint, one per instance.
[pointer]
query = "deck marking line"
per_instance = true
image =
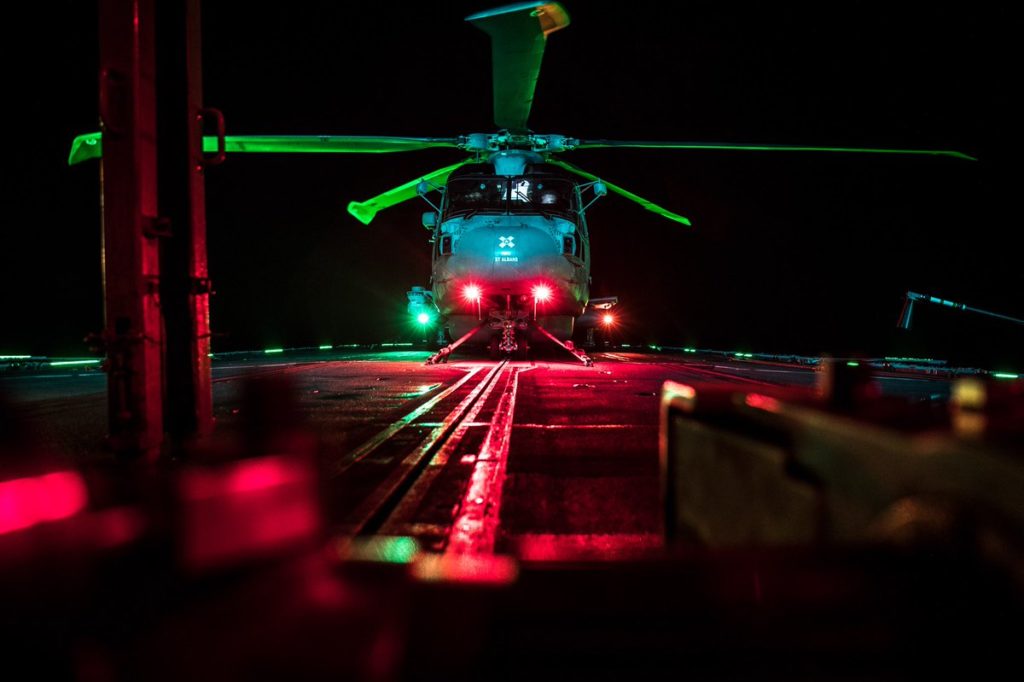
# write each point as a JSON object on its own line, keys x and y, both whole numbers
{"x": 415, "y": 495}
{"x": 371, "y": 508}
{"x": 395, "y": 427}
{"x": 475, "y": 530}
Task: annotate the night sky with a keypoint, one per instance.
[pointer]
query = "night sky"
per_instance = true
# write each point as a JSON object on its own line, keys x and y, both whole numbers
{"x": 789, "y": 253}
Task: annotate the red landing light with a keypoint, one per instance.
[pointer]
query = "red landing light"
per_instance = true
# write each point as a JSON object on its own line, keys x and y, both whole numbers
{"x": 471, "y": 292}
{"x": 541, "y": 293}
{"x": 608, "y": 319}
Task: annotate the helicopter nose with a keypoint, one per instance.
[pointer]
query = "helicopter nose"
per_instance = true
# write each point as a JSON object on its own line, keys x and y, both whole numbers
{"x": 505, "y": 252}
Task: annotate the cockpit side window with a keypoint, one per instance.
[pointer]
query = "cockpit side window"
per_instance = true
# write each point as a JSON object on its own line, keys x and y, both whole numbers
{"x": 469, "y": 195}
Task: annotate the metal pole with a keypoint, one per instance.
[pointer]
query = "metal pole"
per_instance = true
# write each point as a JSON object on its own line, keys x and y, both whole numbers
{"x": 185, "y": 288}
{"x": 912, "y": 296}
{"x": 132, "y": 336}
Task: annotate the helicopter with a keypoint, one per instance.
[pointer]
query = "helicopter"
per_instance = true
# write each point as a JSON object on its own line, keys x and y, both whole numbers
{"x": 511, "y": 250}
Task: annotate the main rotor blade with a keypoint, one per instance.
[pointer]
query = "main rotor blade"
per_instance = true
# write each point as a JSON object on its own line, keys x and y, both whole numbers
{"x": 518, "y": 34}
{"x": 638, "y": 144}
{"x": 649, "y": 205}
{"x": 364, "y": 211}
{"x": 90, "y": 146}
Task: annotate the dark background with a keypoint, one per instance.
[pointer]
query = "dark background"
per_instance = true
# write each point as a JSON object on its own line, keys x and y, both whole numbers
{"x": 798, "y": 253}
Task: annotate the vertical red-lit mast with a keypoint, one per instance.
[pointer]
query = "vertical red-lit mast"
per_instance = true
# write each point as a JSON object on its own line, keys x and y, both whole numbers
{"x": 185, "y": 286}
{"x": 156, "y": 285}
{"x": 131, "y": 269}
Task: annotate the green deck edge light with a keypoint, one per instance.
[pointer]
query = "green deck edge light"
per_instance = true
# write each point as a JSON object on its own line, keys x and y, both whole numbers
{"x": 852, "y": 363}
{"x": 1005, "y": 375}
{"x": 649, "y": 205}
{"x": 62, "y": 363}
{"x": 269, "y": 351}
{"x": 326, "y": 346}
{"x": 15, "y": 357}
{"x": 395, "y": 550}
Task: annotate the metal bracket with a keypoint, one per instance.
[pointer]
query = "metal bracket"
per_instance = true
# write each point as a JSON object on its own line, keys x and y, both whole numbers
{"x": 218, "y": 119}
{"x": 201, "y": 286}
{"x": 157, "y": 227}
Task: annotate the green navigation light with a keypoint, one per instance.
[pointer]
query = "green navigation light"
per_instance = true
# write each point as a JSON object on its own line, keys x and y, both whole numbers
{"x": 326, "y": 346}
{"x": 852, "y": 363}
{"x": 423, "y": 318}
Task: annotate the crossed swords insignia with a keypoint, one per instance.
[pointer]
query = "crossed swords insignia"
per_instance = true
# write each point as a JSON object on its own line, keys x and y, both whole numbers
{"x": 506, "y": 242}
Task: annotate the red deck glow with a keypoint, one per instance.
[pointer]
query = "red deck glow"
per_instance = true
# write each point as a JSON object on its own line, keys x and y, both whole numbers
{"x": 26, "y": 502}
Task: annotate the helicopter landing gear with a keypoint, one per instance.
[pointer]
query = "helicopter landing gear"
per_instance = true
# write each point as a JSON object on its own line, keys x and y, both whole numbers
{"x": 568, "y": 345}
{"x": 442, "y": 355}
{"x": 508, "y": 337}
{"x": 442, "y": 338}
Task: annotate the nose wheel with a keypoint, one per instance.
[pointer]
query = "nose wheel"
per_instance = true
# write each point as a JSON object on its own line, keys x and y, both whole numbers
{"x": 508, "y": 343}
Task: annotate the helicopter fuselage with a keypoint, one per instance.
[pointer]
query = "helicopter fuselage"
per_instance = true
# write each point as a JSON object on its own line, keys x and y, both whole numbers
{"x": 510, "y": 250}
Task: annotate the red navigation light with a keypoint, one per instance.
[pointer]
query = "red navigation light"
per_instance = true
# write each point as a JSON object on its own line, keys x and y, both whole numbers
{"x": 541, "y": 293}
{"x": 26, "y": 502}
{"x": 608, "y": 319}
{"x": 471, "y": 292}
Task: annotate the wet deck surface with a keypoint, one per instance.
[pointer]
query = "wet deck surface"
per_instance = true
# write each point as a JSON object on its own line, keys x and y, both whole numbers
{"x": 565, "y": 455}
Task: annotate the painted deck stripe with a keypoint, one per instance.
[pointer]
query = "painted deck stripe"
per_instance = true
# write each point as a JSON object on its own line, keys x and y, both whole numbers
{"x": 393, "y": 428}
{"x": 475, "y": 530}
{"x": 374, "y": 506}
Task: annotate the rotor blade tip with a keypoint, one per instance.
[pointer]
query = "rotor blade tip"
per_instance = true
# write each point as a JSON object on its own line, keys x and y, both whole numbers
{"x": 362, "y": 212}
{"x": 85, "y": 147}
